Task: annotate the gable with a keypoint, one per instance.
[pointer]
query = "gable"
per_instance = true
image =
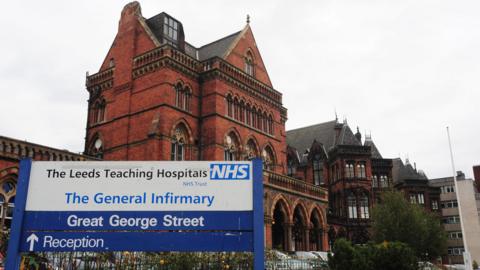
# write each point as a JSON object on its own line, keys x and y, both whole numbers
{"x": 235, "y": 55}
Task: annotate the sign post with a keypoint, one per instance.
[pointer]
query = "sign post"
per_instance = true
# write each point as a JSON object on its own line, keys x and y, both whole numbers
{"x": 138, "y": 206}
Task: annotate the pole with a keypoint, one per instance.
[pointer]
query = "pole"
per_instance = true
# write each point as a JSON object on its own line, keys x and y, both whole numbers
{"x": 466, "y": 254}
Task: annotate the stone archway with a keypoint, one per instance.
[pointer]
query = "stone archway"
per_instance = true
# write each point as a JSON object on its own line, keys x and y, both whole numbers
{"x": 279, "y": 226}
{"x": 316, "y": 231}
{"x": 299, "y": 229}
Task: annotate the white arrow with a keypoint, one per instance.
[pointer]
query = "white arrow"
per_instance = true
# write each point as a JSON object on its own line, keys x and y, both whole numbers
{"x": 32, "y": 239}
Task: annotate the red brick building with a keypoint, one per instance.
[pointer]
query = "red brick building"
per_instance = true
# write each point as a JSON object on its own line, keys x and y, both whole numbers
{"x": 157, "y": 97}
{"x": 11, "y": 151}
{"x": 476, "y": 176}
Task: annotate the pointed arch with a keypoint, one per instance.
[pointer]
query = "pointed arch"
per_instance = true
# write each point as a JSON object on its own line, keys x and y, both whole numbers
{"x": 269, "y": 157}
{"x": 280, "y": 198}
{"x": 249, "y": 62}
{"x": 232, "y": 145}
{"x": 181, "y": 140}
{"x": 251, "y": 148}
{"x": 96, "y": 146}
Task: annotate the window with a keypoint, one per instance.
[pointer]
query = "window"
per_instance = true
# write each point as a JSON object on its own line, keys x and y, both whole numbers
{"x": 455, "y": 251}
{"x": 447, "y": 189}
{"x": 182, "y": 97}
{"x": 251, "y": 150}
{"x": 349, "y": 171}
{"x": 249, "y": 64}
{"x": 231, "y": 147}
{"x": 317, "y": 171}
{"x": 96, "y": 149}
{"x": 451, "y": 220}
{"x": 413, "y": 199}
{"x": 170, "y": 28}
{"x": 361, "y": 170}
{"x": 111, "y": 63}
{"x": 364, "y": 210}
{"x": 449, "y": 204}
{"x": 434, "y": 205}
{"x": 179, "y": 140}
{"x": 420, "y": 198}
{"x": 455, "y": 235}
{"x": 268, "y": 158}
{"x": 352, "y": 206}
{"x": 99, "y": 111}
{"x": 383, "y": 181}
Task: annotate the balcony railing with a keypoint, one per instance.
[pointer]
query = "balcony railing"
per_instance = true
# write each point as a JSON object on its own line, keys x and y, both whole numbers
{"x": 287, "y": 183}
{"x": 100, "y": 77}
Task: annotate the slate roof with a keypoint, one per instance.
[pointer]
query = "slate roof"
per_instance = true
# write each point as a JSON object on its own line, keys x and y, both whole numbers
{"x": 374, "y": 149}
{"x": 217, "y": 48}
{"x": 402, "y": 172}
{"x": 324, "y": 133}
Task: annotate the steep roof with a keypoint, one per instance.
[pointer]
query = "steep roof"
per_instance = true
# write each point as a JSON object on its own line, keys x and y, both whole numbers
{"x": 324, "y": 133}
{"x": 373, "y": 147}
{"x": 402, "y": 172}
{"x": 217, "y": 48}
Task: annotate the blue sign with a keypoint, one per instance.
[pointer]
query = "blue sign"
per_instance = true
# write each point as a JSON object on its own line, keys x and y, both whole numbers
{"x": 138, "y": 206}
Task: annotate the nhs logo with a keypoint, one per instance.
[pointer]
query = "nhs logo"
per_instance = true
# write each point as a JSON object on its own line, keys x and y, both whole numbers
{"x": 229, "y": 171}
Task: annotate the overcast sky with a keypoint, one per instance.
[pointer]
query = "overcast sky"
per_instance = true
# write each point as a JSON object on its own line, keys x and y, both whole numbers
{"x": 402, "y": 70}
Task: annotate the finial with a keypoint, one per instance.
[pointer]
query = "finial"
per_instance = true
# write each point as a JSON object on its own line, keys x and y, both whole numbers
{"x": 336, "y": 116}
{"x": 248, "y": 19}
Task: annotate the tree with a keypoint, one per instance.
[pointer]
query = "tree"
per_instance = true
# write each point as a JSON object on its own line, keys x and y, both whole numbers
{"x": 385, "y": 256}
{"x": 395, "y": 219}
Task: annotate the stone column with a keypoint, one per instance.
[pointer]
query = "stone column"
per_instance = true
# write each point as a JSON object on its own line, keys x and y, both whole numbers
{"x": 324, "y": 236}
{"x": 288, "y": 236}
{"x": 306, "y": 246}
{"x": 268, "y": 231}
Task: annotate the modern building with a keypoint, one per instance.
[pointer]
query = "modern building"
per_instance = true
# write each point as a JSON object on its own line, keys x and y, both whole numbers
{"x": 451, "y": 219}
{"x": 11, "y": 151}
{"x": 158, "y": 97}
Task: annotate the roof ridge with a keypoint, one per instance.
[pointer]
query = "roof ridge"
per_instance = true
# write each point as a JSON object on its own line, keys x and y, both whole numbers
{"x": 314, "y": 125}
{"x": 218, "y": 40}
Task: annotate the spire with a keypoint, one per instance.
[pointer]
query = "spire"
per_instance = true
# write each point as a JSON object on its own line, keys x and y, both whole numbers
{"x": 358, "y": 135}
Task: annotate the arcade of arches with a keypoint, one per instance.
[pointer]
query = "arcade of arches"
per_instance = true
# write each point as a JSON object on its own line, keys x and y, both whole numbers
{"x": 294, "y": 226}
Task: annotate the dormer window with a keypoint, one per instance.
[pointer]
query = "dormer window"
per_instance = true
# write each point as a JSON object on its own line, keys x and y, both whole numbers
{"x": 170, "y": 28}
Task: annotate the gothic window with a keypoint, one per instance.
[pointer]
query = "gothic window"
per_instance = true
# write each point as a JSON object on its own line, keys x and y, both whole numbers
{"x": 179, "y": 140}
{"x": 251, "y": 150}
{"x": 241, "y": 115}
{"x": 413, "y": 198}
{"x": 236, "y": 110}
{"x": 248, "y": 115}
{"x": 182, "y": 97}
{"x": 96, "y": 149}
{"x": 111, "y": 63}
{"x": 254, "y": 117}
{"x": 421, "y": 199}
{"x": 270, "y": 125}
{"x": 361, "y": 170}
{"x": 364, "y": 210}
{"x": 99, "y": 111}
{"x": 231, "y": 147}
{"x": 268, "y": 158}
{"x": 249, "y": 64}
{"x": 229, "y": 106}
{"x": 317, "y": 170}
{"x": 352, "y": 206}
{"x": 349, "y": 170}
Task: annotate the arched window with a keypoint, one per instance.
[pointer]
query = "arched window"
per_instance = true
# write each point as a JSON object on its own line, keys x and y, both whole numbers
{"x": 96, "y": 149}
{"x": 317, "y": 170}
{"x": 229, "y": 106}
{"x": 268, "y": 158}
{"x": 249, "y": 64}
{"x": 242, "y": 112}
{"x": 364, "y": 210}
{"x": 352, "y": 206}
{"x": 374, "y": 181}
{"x": 270, "y": 124}
{"x": 349, "y": 170}
{"x": 361, "y": 170}
{"x": 236, "y": 109}
{"x": 111, "y": 63}
{"x": 383, "y": 181}
{"x": 251, "y": 149}
{"x": 248, "y": 115}
{"x": 231, "y": 147}
{"x": 179, "y": 139}
{"x": 99, "y": 111}
{"x": 182, "y": 97}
